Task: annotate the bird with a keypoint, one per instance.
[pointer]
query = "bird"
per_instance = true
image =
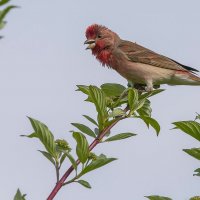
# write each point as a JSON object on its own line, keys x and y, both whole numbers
{"x": 142, "y": 67}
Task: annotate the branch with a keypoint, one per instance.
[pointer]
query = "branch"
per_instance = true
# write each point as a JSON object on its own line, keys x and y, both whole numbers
{"x": 92, "y": 145}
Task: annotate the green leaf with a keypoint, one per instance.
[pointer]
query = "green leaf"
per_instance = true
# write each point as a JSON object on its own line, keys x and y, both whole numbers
{"x": 140, "y": 104}
{"x": 117, "y": 112}
{"x": 44, "y": 134}
{"x": 84, "y": 129}
{"x": 84, "y": 183}
{"x": 82, "y": 148}
{"x": 192, "y": 128}
{"x": 98, "y": 98}
{"x": 5, "y": 12}
{"x": 195, "y": 152}
{"x": 155, "y": 197}
{"x": 150, "y": 94}
{"x": 32, "y": 135}
{"x": 99, "y": 162}
{"x": 145, "y": 110}
{"x": 132, "y": 98}
{"x": 120, "y": 136}
{"x": 19, "y": 196}
{"x": 48, "y": 156}
{"x": 112, "y": 89}
{"x": 152, "y": 122}
{"x": 91, "y": 120}
{"x": 197, "y": 171}
{"x": 123, "y": 98}
{"x": 72, "y": 160}
{"x": 195, "y": 198}
{"x": 83, "y": 88}
{"x": 2, "y": 2}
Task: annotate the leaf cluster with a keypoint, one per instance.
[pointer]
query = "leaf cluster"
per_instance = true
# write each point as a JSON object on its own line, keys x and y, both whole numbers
{"x": 110, "y": 100}
{"x": 113, "y": 102}
{"x": 191, "y": 128}
{"x": 4, "y": 12}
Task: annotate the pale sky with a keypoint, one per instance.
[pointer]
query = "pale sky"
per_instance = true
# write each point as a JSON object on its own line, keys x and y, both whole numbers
{"x": 43, "y": 59}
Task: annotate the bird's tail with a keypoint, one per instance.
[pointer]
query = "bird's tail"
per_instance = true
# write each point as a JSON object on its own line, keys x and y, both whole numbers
{"x": 194, "y": 78}
{"x": 187, "y": 78}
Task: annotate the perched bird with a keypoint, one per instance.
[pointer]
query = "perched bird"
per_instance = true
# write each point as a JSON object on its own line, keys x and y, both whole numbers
{"x": 139, "y": 65}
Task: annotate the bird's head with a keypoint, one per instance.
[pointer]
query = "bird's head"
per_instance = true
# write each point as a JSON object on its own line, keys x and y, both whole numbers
{"x": 100, "y": 40}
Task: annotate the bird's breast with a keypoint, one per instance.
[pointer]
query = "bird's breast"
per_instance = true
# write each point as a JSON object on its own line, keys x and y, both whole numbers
{"x": 104, "y": 56}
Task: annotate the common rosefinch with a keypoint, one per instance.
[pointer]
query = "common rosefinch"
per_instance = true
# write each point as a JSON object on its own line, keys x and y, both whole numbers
{"x": 139, "y": 65}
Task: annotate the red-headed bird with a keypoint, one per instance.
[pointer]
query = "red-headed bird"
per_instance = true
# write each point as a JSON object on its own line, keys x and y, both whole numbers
{"x": 139, "y": 65}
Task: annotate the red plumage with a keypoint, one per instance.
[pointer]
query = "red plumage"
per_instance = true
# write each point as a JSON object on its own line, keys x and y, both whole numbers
{"x": 93, "y": 30}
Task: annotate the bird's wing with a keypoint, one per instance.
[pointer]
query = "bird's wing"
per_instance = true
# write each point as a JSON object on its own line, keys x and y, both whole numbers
{"x": 139, "y": 54}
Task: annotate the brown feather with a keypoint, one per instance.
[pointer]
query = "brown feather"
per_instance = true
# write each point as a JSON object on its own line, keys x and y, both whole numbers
{"x": 139, "y": 54}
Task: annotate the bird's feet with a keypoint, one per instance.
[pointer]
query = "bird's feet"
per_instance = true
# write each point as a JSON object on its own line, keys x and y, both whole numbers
{"x": 140, "y": 87}
{"x": 145, "y": 88}
{"x": 150, "y": 87}
{"x": 156, "y": 87}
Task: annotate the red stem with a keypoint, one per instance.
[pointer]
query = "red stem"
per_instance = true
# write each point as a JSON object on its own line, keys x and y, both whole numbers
{"x": 92, "y": 145}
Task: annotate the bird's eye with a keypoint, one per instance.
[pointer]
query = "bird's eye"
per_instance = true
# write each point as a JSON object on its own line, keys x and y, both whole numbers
{"x": 99, "y": 36}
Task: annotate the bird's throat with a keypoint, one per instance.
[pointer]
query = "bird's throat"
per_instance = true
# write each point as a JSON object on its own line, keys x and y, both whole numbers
{"x": 104, "y": 56}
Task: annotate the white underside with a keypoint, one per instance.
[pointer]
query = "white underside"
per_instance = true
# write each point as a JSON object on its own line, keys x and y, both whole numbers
{"x": 148, "y": 74}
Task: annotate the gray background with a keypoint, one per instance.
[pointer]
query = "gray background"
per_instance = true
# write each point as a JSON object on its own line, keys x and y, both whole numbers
{"x": 42, "y": 61}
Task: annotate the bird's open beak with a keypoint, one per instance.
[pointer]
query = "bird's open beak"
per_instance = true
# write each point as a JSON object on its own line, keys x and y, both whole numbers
{"x": 91, "y": 43}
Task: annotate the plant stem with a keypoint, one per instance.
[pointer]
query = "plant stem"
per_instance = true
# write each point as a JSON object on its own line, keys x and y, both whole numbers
{"x": 97, "y": 140}
{"x": 57, "y": 171}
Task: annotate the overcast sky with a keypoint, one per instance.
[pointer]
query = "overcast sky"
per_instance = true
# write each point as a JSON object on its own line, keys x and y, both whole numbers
{"x": 42, "y": 61}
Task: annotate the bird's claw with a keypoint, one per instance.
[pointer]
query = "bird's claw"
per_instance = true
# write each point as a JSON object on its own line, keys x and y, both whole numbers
{"x": 145, "y": 88}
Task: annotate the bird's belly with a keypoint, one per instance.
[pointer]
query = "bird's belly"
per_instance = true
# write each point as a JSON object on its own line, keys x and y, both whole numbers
{"x": 142, "y": 73}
